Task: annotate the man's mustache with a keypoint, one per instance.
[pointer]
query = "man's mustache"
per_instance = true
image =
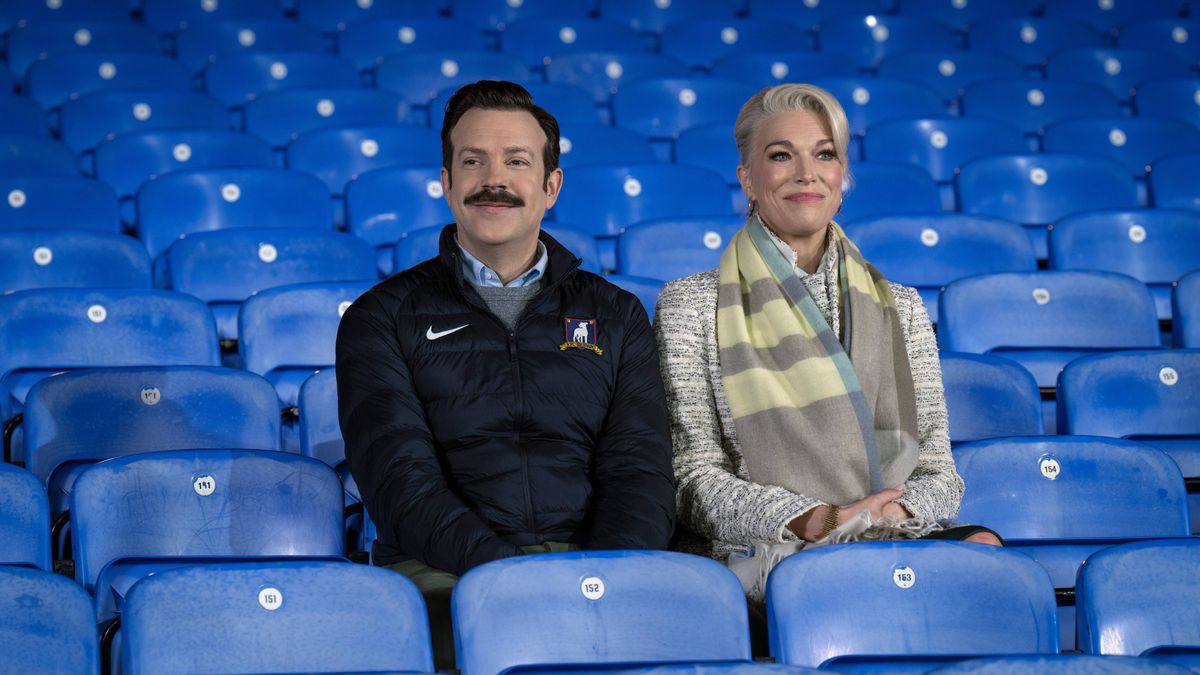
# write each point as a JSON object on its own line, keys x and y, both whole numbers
{"x": 494, "y": 197}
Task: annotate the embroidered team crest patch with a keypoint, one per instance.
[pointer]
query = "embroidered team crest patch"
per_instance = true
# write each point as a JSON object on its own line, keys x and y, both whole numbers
{"x": 580, "y": 334}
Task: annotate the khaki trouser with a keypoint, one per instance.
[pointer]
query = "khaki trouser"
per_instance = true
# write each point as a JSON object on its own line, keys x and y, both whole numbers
{"x": 437, "y": 585}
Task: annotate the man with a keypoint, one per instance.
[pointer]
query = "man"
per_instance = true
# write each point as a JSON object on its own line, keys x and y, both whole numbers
{"x": 497, "y": 400}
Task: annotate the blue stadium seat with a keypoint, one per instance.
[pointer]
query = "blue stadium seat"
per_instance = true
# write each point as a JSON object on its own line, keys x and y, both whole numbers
{"x": 887, "y": 188}
{"x": 331, "y": 16}
{"x": 1173, "y": 184}
{"x": 1185, "y": 308}
{"x": 663, "y": 107}
{"x": 92, "y": 119}
{"x": 1110, "y": 15}
{"x": 1135, "y": 142}
{"x": 1172, "y": 36}
{"x": 962, "y": 15}
{"x": 224, "y": 268}
{"x": 605, "y": 199}
{"x": 948, "y": 72}
{"x": 604, "y": 73}
{"x": 203, "y": 43}
{"x": 815, "y": 13}
{"x": 582, "y": 144}
{"x": 1070, "y": 663}
{"x": 1154, "y": 246}
{"x": 1031, "y": 105}
{"x": 868, "y": 100}
{"x": 282, "y": 116}
{"x": 941, "y": 145}
{"x": 867, "y": 40}
{"x": 700, "y": 42}
{"x": 651, "y": 16}
{"x": 569, "y": 104}
{"x": 608, "y": 607}
{"x": 1036, "y": 190}
{"x": 384, "y": 204}
{"x": 1042, "y": 320}
{"x": 128, "y": 161}
{"x": 325, "y": 616}
{"x": 18, "y": 13}
{"x": 1120, "y": 70}
{"x": 367, "y": 43}
{"x": 710, "y": 146}
{"x": 63, "y": 258}
{"x": 26, "y": 156}
{"x": 1028, "y": 39}
{"x": 420, "y": 77}
{"x": 928, "y": 251}
{"x": 237, "y": 77}
{"x": 36, "y": 203}
{"x": 219, "y": 199}
{"x": 339, "y": 155}
{"x": 58, "y": 79}
{"x": 768, "y": 68}
{"x": 577, "y": 241}
{"x": 989, "y": 397}
{"x": 670, "y": 248}
{"x": 496, "y": 15}
{"x": 47, "y": 624}
{"x": 20, "y": 116}
{"x": 320, "y": 431}
{"x": 172, "y": 16}
{"x": 1177, "y": 99}
{"x": 1159, "y": 620}
{"x": 286, "y": 334}
{"x": 536, "y": 40}
{"x": 841, "y": 605}
{"x": 24, "y": 522}
{"x": 40, "y": 40}
{"x": 645, "y": 288}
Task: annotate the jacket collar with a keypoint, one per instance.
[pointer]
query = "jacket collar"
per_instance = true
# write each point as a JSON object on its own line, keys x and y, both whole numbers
{"x": 562, "y": 261}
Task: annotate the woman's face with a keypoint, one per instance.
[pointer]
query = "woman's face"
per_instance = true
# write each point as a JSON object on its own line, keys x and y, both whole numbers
{"x": 794, "y": 174}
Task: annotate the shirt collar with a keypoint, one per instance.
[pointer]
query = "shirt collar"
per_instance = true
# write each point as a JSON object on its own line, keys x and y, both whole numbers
{"x": 482, "y": 275}
{"x": 790, "y": 254}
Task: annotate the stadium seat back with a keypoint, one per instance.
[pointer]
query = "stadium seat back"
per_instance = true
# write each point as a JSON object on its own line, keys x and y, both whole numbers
{"x": 867, "y": 40}
{"x": 699, "y": 42}
{"x": 1173, "y": 36}
{"x": 1110, "y": 14}
{"x": 1117, "y": 69}
{"x": 385, "y": 204}
{"x": 1031, "y": 105}
{"x": 23, "y": 156}
{"x": 1029, "y": 39}
{"x": 24, "y": 521}
{"x": 55, "y": 258}
{"x": 320, "y": 431}
{"x": 172, "y": 16}
{"x": 648, "y": 16}
{"x": 815, "y": 14}
{"x": 19, "y": 115}
{"x": 128, "y": 161}
{"x": 670, "y": 248}
{"x": 339, "y": 155}
{"x": 497, "y": 15}
{"x": 58, "y": 79}
{"x": 536, "y": 40}
{"x": 1040, "y": 189}
{"x": 768, "y": 68}
{"x": 334, "y": 16}
{"x": 40, "y": 40}
{"x": 1171, "y": 182}
{"x": 962, "y": 15}
{"x": 35, "y": 203}
{"x": 237, "y": 77}
{"x": 604, "y": 73}
{"x": 23, "y": 12}
{"x": 868, "y": 100}
{"x": 709, "y": 146}
{"x": 941, "y": 145}
{"x": 583, "y": 144}
{"x": 92, "y": 119}
{"x": 989, "y": 397}
{"x": 1170, "y": 98}
{"x": 948, "y": 72}
{"x": 367, "y": 43}
{"x": 47, "y": 624}
{"x": 663, "y": 107}
{"x": 282, "y": 116}
{"x": 203, "y": 43}
{"x": 570, "y": 104}
{"x": 1185, "y": 308}
{"x": 420, "y": 77}
{"x": 1135, "y": 142}
{"x": 887, "y": 188}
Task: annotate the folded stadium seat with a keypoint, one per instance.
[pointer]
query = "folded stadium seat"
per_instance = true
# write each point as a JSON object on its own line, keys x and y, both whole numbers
{"x": 339, "y": 155}
{"x": 203, "y": 43}
{"x": 652, "y": 16}
{"x": 1037, "y": 190}
{"x": 814, "y": 13}
{"x": 1031, "y": 105}
{"x": 769, "y": 68}
{"x": 55, "y": 80}
{"x": 605, "y": 607}
{"x": 220, "y": 199}
{"x": 604, "y": 73}
{"x": 1043, "y": 320}
{"x": 700, "y": 42}
{"x": 914, "y": 604}
{"x": 24, "y": 521}
{"x": 1154, "y": 246}
{"x": 989, "y": 397}
{"x": 17, "y": 13}
{"x": 384, "y": 204}
{"x": 334, "y": 16}
{"x": 89, "y": 120}
{"x": 1110, "y": 15}
{"x": 496, "y": 15}
{"x": 888, "y": 188}
{"x": 43, "y": 39}
{"x": 1120, "y": 70}
{"x": 1158, "y": 620}
{"x": 47, "y": 625}
{"x": 1146, "y": 396}
{"x": 65, "y": 258}
{"x": 19, "y": 115}
{"x": 1185, "y": 308}
{"x": 583, "y": 144}
{"x": 1173, "y": 184}
{"x": 536, "y": 40}
{"x": 288, "y": 333}
{"x": 646, "y": 289}
{"x": 928, "y": 251}
{"x": 941, "y": 145}
{"x": 1177, "y": 99}
{"x": 23, "y": 156}
{"x": 867, "y": 40}
{"x": 948, "y": 72}
{"x": 1059, "y": 499}
{"x": 962, "y": 15}
{"x": 324, "y": 616}
{"x": 1178, "y": 37}
{"x": 660, "y": 108}
{"x": 671, "y": 248}
{"x": 419, "y": 77}
{"x": 236, "y": 78}
{"x": 569, "y": 104}
{"x": 868, "y": 100}
{"x": 36, "y": 203}
{"x": 367, "y": 43}
{"x": 172, "y": 16}
{"x": 1031, "y": 40}
{"x": 282, "y": 116}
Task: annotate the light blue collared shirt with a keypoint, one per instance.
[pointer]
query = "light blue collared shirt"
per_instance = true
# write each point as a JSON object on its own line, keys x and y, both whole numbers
{"x": 482, "y": 275}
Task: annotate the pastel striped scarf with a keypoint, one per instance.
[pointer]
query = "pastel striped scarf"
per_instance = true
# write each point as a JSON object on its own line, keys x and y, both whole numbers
{"x": 828, "y": 419}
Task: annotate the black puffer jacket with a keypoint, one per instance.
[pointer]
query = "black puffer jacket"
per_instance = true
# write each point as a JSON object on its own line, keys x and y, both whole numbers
{"x": 468, "y": 444}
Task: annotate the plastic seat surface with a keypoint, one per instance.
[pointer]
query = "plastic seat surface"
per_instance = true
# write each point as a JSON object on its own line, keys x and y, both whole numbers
{"x": 768, "y": 68}
{"x": 868, "y": 100}
{"x": 19, "y": 115}
{"x": 989, "y": 397}
{"x": 948, "y": 72}
{"x": 663, "y": 107}
{"x": 320, "y": 431}
{"x": 280, "y": 117}
{"x": 62, "y": 258}
{"x": 34, "y": 203}
{"x": 671, "y": 248}
{"x": 1031, "y": 104}
{"x": 58, "y": 79}
{"x": 1171, "y": 182}
{"x": 964, "y": 15}
{"x": 536, "y": 40}
{"x": 367, "y": 43}
{"x": 234, "y": 78}
{"x": 699, "y": 42}
{"x": 89, "y": 120}
{"x": 22, "y": 12}
{"x": 172, "y": 16}
{"x": 648, "y": 16}
{"x": 1185, "y": 308}
{"x": 331, "y": 16}
{"x": 1135, "y": 142}
{"x": 202, "y": 43}
{"x": 23, "y": 156}
{"x": 1118, "y": 69}
{"x": 419, "y": 77}
{"x": 339, "y": 155}
{"x": 883, "y": 188}
{"x": 568, "y": 103}
{"x": 46, "y": 623}
{"x": 816, "y": 13}
{"x": 1062, "y": 664}
{"x": 941, "y": 144}
{"x": 709, "y": 146}
{"x": 604, "y": 73}
{"x": 597, "y": 607}
{"x": 40, "y": 40}
{"x": 1178, "y": 37}
{"x": 1029, "y": 39}
{"x": 128, "y": 161}
{"x": 1170, "y": 98}
{"x": 583, "y": 144}
{"x": 383, "y": 205}
{"x": 326, "y": 611}
{"x": 867, "y": 40}
{"x": 496, "y": 15}
{"x": 1109, "y": 15}
{"x": 24, "y": 521}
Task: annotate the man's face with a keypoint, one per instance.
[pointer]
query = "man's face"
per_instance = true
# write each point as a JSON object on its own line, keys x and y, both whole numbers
{"x": 497, "y": 193}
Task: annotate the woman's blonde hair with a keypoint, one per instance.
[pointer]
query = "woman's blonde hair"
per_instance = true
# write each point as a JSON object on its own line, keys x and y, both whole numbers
{"x": 789, "y": 97}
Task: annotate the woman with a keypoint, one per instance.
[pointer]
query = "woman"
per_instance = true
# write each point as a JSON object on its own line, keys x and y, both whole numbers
{"x": 805, "y": 390}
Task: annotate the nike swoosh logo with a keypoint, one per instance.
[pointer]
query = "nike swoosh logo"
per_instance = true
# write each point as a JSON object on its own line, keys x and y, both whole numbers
{"x": 436, "y": 335}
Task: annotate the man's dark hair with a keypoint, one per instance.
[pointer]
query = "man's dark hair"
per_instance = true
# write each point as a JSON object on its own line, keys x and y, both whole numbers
{"x": 498, "y": 95}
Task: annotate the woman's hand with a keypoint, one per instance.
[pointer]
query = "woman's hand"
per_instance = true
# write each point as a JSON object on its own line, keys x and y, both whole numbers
{"x": 895, "y": 510}
{"x": 809, "y": 525}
